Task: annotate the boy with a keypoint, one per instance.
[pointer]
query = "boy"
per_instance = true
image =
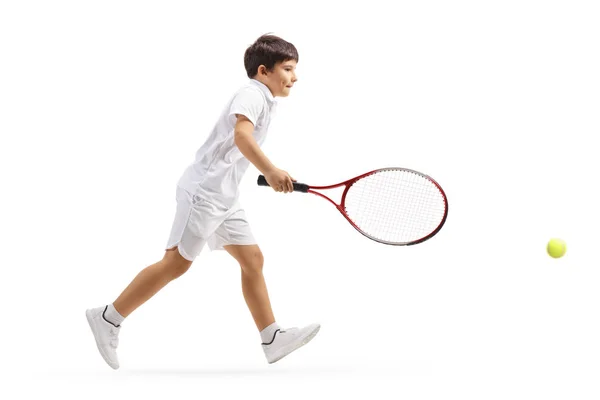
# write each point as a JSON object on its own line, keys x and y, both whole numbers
{"x": 208, "y": 210}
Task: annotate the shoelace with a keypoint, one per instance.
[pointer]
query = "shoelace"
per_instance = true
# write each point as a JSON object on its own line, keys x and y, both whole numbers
{"x": 114, "y": 337}
{"x": 292, "y": 331}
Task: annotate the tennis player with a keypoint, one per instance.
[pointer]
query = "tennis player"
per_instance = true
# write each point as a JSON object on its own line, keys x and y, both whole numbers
{"x": 208, "y": 210}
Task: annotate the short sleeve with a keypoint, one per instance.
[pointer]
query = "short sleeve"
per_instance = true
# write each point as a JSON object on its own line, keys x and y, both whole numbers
{"x": 248, "y": 102}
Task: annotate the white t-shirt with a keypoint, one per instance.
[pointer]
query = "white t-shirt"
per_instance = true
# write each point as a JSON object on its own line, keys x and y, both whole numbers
{"x": 219, "y": 165}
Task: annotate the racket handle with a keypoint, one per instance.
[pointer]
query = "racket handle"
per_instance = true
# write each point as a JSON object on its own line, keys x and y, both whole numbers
{"x": 298, "y": 187}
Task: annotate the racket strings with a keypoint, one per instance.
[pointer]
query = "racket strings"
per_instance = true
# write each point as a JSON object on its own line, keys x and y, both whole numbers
{"x": 397, "y": 206}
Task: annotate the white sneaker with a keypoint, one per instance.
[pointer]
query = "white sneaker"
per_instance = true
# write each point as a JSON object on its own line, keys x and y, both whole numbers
{"x": 286, "y": 341}
{"x": 106, "y": 335}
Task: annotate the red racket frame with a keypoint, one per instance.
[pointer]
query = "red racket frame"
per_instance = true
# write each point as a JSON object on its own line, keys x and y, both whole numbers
{"x": 301, "y": 187}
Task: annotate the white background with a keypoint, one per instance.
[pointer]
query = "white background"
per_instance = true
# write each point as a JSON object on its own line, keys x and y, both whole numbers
{"x": 103, "y": 104}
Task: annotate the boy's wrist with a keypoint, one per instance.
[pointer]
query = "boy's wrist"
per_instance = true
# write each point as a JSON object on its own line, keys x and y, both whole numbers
{"x": 269, "y": 170}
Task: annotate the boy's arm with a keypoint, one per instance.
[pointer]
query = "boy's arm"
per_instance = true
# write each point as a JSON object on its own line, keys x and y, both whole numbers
{"x": 250, "y": 149}
{"x": 278, "y": 179}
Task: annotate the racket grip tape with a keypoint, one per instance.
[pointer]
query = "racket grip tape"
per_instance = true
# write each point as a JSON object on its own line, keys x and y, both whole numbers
{"x": 298, "y": 187}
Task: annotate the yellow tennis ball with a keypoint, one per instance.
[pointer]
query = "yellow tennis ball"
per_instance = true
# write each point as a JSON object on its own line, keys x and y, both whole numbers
{"x": 556, "y": 248}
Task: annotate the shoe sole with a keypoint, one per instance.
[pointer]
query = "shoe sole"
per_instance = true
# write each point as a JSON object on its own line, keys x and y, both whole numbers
{"x": 295, "y": 346}
{"x": 104, "y": 356}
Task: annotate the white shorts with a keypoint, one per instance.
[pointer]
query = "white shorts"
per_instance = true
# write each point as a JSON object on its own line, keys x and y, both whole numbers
{"x": 198, "y": 222}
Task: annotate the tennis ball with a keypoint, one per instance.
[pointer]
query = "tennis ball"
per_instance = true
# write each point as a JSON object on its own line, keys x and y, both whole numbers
{"x": 556, "y": 248}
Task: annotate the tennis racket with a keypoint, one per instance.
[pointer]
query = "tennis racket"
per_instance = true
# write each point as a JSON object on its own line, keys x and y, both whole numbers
{"x": 395, "y": 206}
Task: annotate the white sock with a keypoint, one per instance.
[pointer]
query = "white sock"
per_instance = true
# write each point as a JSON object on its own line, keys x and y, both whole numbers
{"x": 111, "y": 315}
{"x": 268, "y": 334}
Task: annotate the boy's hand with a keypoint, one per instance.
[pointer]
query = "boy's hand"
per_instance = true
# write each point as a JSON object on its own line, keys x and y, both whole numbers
{"x": 280, "y": 180}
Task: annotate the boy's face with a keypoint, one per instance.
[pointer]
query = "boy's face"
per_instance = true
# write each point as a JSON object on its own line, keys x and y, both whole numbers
{"x": 281, "y": 79}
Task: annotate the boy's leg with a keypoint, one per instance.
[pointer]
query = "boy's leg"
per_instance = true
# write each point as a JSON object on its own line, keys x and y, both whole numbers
{"x": 235, "y": 236}
{"x": 150, "y": 280}
{"x": 276, "y": 342}
{"x": 254, "y": 287}
{"x": 105, "y": 321}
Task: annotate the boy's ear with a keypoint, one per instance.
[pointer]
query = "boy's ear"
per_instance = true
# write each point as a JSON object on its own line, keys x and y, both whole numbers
{"x": 262, "y": 70}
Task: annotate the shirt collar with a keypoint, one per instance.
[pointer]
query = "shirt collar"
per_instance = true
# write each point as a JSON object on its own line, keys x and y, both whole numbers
{"x": 265, "y": 90}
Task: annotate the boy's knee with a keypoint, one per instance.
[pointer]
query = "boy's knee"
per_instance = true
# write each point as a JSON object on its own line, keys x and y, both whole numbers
{"x": 175, "y": 263}
{"x": 253, "y": 263}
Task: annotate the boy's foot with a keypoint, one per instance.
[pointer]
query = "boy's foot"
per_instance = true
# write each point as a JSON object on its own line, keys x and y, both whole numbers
{"x": 286, "y": 341}
{"x": 106, "y": 335}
